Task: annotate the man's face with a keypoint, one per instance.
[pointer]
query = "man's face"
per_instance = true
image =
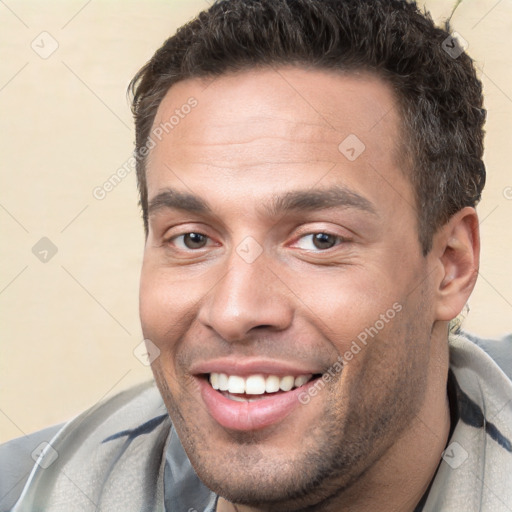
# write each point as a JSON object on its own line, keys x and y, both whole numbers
{"x": 298, "y": 248}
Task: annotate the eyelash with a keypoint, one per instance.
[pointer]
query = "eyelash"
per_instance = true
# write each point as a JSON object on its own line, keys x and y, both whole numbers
{"x": 174, "y": 237}
{"x": 339, "y": 240}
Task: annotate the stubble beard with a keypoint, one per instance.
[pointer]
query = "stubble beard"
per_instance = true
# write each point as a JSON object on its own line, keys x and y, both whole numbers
{"x": 334, "y": 455}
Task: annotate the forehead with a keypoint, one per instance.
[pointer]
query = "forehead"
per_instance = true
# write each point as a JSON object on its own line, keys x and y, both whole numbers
{"x": 286, "y": 125}
{"x": 328, "y": 99}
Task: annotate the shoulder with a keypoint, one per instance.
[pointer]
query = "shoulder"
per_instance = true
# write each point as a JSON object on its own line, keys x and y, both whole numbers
{"x": 500, "y": 350}
{"x": 34, "y": 462}
{"x": 17, "y": 457}
{"x": 483, "y": 367}
{"x": 477, "y": 462}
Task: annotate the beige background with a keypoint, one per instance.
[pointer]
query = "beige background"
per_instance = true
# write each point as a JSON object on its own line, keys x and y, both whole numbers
{"x": 70, "y": 325}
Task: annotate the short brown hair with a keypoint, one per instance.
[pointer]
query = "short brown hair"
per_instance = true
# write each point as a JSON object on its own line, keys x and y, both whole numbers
{"x": 439, "y": 94}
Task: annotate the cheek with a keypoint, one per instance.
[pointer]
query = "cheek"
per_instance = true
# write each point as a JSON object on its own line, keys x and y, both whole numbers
{"x": 159, "y": 304}
{"x": 344, "y": 303}
{"x": 152, "y": 303}
{"x": 168, "y": 303}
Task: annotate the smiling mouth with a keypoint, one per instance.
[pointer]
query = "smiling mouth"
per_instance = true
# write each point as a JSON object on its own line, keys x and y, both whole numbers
{"x": 256, "y": 387}
{"x": 252, "y": 399}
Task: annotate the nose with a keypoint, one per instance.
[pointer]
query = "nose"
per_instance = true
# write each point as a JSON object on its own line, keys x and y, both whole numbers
{"x": 247, "y": 297}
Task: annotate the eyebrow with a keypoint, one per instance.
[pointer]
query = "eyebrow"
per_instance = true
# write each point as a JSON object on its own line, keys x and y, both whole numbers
{"x": 296, "y": 200}
{"x": 318, "y": 199}
{"x": 173, "y": 199}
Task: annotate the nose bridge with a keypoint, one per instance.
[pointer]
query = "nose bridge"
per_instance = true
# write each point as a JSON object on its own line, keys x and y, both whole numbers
{"x": 247, "y": 296}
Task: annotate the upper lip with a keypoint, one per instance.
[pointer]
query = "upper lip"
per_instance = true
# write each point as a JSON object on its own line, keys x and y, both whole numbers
{"x": 252, "y": 366}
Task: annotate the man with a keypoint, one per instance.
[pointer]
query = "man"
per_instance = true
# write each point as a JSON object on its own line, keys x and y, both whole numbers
{"x": 308, "y": 172}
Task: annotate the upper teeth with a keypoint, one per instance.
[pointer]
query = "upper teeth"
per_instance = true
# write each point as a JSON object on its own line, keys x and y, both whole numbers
{"x": 256, "y": 384}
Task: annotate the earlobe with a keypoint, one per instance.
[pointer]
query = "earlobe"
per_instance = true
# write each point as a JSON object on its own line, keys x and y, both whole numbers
{"x": 458, "y": 244}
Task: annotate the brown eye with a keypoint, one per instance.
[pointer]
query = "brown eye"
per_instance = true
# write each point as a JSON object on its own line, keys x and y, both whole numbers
{"x": 319, "y": 241}
{"x": 194, "y": 240}
{"x": 324, "y": 240}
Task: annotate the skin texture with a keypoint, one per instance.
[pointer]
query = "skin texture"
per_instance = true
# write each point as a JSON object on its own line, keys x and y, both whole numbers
{"x": 373, "y": 436}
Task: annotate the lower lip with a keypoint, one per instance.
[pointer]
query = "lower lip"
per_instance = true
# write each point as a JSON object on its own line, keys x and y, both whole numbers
{"x": 254, "y": 415}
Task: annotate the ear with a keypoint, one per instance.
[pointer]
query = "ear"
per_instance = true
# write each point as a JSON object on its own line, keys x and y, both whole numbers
{"x": 457, "y": 246}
